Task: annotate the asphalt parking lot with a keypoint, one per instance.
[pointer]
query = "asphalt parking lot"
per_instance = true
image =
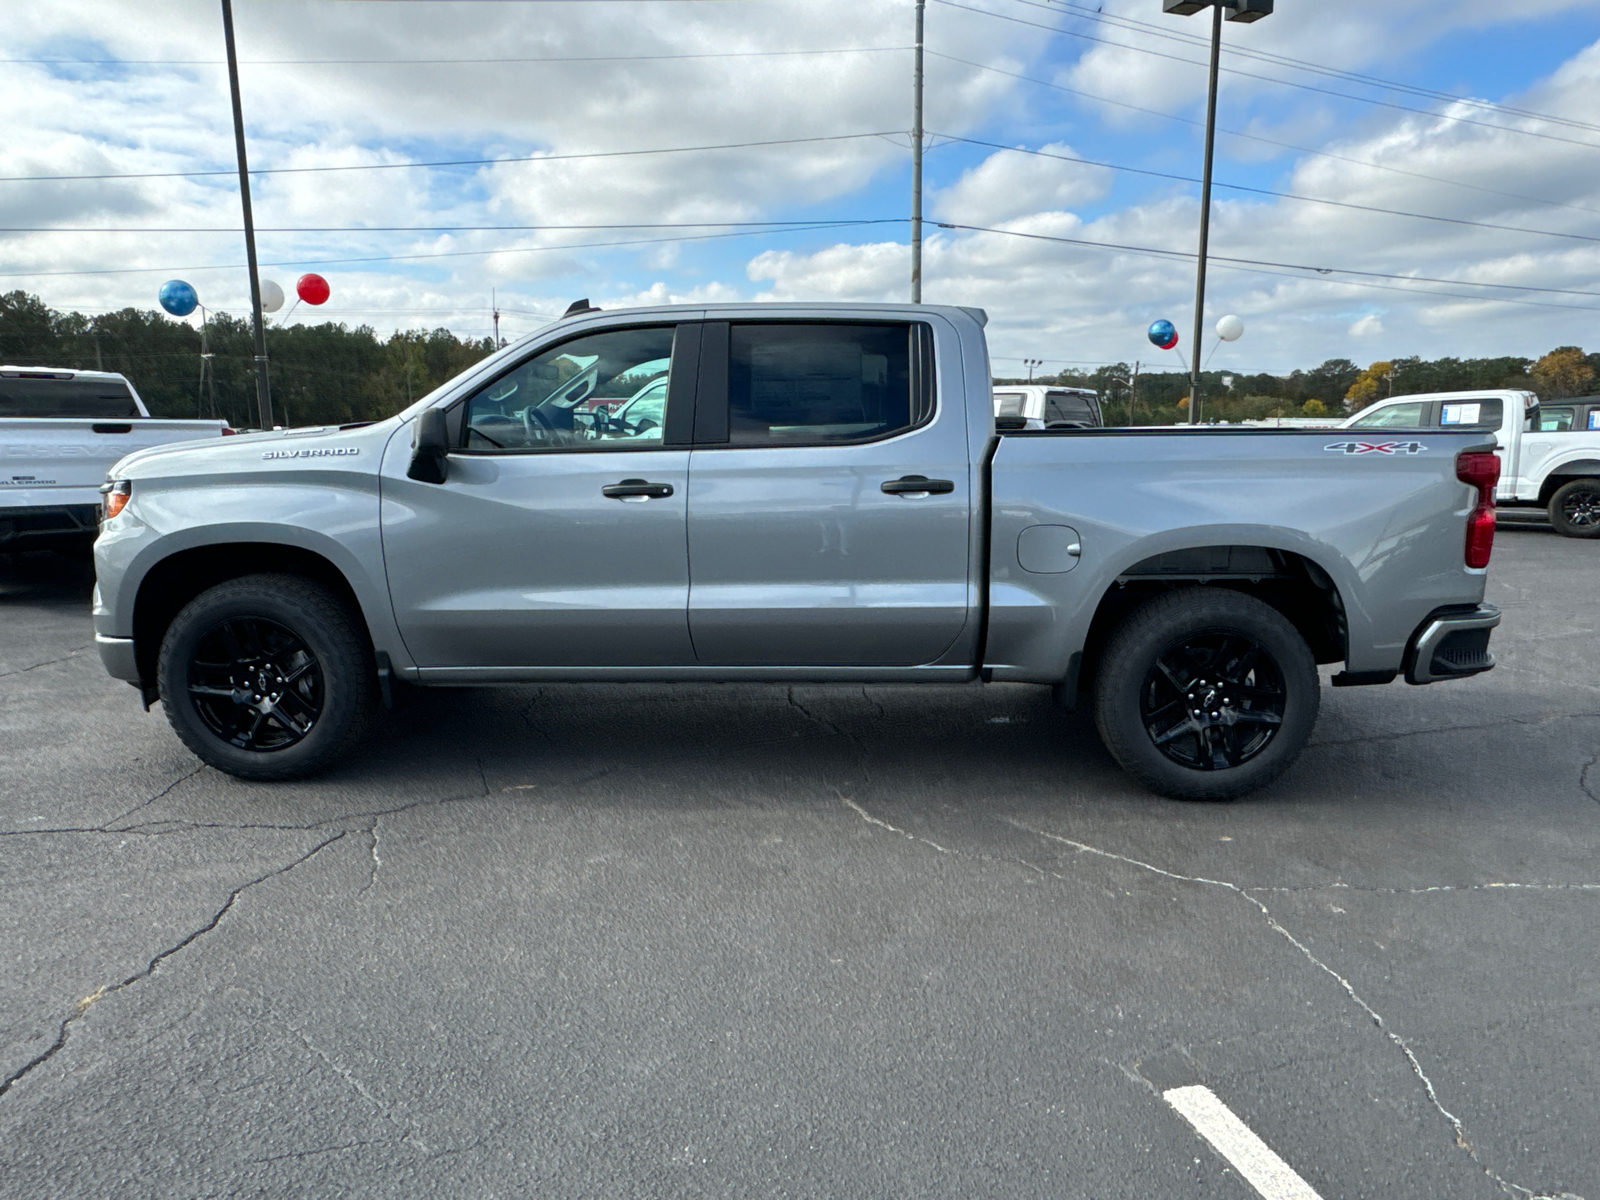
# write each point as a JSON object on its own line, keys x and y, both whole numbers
{"x": 612, "y": 940}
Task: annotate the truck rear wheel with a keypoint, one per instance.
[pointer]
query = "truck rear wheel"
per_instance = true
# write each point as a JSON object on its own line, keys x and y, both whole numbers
{"x": 1206, "y": 694}
{"x": 1575, "y": 509}
{"x": 267, "y": 676}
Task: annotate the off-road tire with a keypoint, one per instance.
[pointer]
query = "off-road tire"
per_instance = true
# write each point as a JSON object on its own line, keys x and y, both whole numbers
{"x": 1563, "y": 496}
{"x": 332, "y": 634}
{"x": 1149, "y": 633}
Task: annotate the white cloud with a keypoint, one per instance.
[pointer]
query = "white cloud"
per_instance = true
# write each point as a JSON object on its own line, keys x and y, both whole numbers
{"x": 1008, "y": 184}
{"x": 1367, "y": 326}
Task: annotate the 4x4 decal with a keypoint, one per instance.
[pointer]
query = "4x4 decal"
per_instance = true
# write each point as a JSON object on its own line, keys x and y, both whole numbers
{"x": 1376, "y": 447}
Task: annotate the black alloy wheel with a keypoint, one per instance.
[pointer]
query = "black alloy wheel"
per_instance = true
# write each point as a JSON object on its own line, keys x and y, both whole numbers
{"x": 255, "y": 684}
{"x": 1205, "y": 693}
{"x": 1214, "y": 700}
{"x": 1575, "y": 509}
{"x": 268, "y": 676}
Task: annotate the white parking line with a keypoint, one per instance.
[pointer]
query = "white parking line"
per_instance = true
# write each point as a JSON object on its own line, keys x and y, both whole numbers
{"x": 1233, "y": 1139}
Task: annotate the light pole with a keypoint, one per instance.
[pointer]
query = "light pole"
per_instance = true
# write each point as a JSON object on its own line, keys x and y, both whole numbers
{"x": 1031, "y": 364}
{"x": 916, "y": 165}
{"x": 1236, "y": 10}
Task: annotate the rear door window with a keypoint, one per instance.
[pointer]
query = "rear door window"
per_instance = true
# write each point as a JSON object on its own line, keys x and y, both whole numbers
{"x": 1557, "y": 419}
{"x": 23, "y": 396}
{"x": 1473, "y": 414}
{"x": 815, "y": 384}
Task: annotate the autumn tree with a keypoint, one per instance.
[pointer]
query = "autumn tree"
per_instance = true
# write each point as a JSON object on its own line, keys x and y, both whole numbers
{"x": 1370, "y": 385}
{"x": 1565, "y": 371}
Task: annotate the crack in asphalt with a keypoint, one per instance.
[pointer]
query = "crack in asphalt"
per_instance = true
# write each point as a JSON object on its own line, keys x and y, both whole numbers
{"x": 1583, "y": 779}
{"x": 408, "y": 1132}
{"x": 310, "y": 1153}
{"x": 105, "y": 990}
{"x": 157, "y": 796}
{"x": 49, "y": 662}
{"x": 1277, "y": 927}
{"x": 377, "y": 863}
{"x": 1408, "y": 733}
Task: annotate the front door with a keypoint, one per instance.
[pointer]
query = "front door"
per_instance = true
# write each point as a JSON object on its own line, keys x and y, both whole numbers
{"x": 829, "y": 497}
{"x": 558, "y": 535}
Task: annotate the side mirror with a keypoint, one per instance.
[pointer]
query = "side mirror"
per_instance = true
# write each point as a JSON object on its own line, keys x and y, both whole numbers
{"x": 430, "y": 443}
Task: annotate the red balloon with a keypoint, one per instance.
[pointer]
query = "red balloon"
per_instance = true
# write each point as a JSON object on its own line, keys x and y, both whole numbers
{"x": 312, "y": 288}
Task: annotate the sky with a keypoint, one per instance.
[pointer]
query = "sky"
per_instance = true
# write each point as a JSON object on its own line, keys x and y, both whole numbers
{"x": 679, "y": 151}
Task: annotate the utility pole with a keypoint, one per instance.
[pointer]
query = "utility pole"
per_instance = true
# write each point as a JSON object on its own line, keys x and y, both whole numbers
{"x": 494, "y": 304}
{"x": 263, "y": 391}
{"x": 1133, "y": 390}
{"x": 1237, "y": 10}
{"x": 916, "y": 166}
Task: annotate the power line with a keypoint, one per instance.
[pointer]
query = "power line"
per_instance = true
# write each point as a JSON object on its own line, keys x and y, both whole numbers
{"x": 457, "y": 162}
{"x": 1133, "y": 24}
{"x": 822, "y": 222}
{"x": 1239, "y": 187}
{"x": 1256, "y": 137}
{"x": 326, "y": 262}
{"x": 1258, "y": 266}
{"x": 383, "y": 62}
{"x": 1267, "y": 78}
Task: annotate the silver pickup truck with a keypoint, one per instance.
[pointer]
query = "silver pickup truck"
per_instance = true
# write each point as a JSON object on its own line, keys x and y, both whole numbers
{"x": 785, "y": 493}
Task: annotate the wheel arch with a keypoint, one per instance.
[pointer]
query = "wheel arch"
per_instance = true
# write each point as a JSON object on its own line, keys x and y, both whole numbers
{"x": 179, "y": 576}
{"x": 1293, "y": 583}
{"x": 1564, "y": 473}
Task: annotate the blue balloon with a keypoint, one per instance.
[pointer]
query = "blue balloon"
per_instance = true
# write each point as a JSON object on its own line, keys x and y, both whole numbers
{"x": 178, "y": 298}
{"x": 1164, "y": 334}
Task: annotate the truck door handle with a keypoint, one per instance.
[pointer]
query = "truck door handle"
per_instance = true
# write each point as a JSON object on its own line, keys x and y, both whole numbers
{"x": 641, "y": 488}
{"x": 917, "y": 485}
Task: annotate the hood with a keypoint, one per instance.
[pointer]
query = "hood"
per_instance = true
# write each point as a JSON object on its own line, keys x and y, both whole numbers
{"x": 247, "y": 451}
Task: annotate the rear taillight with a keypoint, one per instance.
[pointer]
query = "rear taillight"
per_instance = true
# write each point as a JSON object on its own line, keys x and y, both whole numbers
{"x": 228, "y": 429}
{"x": 1479, "y": 469}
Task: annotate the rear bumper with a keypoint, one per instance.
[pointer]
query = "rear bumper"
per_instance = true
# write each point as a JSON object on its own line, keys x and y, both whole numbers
{"x": 55, "y": 522}
{"x": 117, "y": 655}
{"x": 1452, "y": 643}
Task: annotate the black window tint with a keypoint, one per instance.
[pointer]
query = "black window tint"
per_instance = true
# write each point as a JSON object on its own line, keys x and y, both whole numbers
{"x": 798, "y": 383}
{"x": 65, "y": 398}
{"x": 606, "y": 391}
{"x": 1068, "y": 406}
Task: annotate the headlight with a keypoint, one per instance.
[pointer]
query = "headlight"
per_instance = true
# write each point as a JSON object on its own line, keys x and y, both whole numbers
{"x": 116, "y": 495}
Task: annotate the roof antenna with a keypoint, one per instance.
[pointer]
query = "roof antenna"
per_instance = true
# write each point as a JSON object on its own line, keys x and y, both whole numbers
{"x": 577, "y": 307}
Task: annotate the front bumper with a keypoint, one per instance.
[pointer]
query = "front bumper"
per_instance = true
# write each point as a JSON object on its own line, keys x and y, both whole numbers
{"x": 1452, "y": 643}
{"x": 117, "y": 655}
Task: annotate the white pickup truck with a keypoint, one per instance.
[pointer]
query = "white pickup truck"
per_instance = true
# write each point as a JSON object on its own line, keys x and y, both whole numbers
{"x": 1549, "y": 453}
{"x": 60, "y": 431}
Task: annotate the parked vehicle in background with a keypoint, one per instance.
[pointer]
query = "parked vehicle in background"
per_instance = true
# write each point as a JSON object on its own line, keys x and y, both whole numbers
{"x": 1041, "y": 407}
{"x": 824, "y": 498}
{"x": 1549, "y": 453}
{"x": 60, "y": 430}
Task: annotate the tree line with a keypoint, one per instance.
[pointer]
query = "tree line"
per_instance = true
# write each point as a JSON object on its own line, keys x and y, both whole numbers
{"x": 1336, "y": 388}
{"x": 330, "y": 374}
{"x": 324, "y": 374}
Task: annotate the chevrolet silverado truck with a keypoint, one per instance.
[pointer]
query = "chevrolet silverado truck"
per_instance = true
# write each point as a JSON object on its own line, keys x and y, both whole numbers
{"x": 59, "y": 431}
{"x": 820, "y": 496}
{"x": 1549, "y": 453}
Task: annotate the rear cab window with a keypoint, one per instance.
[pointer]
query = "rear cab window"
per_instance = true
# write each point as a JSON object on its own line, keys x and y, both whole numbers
{"x": 47, "y": 395}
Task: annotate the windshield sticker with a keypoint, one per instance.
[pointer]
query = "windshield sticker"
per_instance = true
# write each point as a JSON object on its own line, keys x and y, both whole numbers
{"x": 1460, "y": 414}
{"x": 1376, "y": 447}
{"x": 314, "y": 452}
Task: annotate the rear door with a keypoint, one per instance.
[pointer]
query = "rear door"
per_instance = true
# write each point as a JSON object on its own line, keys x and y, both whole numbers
{"x": 558, "y": 536}
{"x": 829, "y": 502}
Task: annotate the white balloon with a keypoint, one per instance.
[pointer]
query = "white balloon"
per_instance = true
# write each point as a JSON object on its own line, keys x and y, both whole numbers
{"x": 271, "y": 296}
{"x": 1230, "y": 328}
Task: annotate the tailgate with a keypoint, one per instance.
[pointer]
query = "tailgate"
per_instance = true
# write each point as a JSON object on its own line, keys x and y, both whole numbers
{"x": 48, "y": 461}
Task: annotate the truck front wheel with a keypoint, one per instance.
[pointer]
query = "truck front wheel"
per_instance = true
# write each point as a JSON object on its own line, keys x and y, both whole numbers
{"x": 1206, "y": 694}
{"x": 267, "y": 676}
{"x": 1575, "y": 508}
